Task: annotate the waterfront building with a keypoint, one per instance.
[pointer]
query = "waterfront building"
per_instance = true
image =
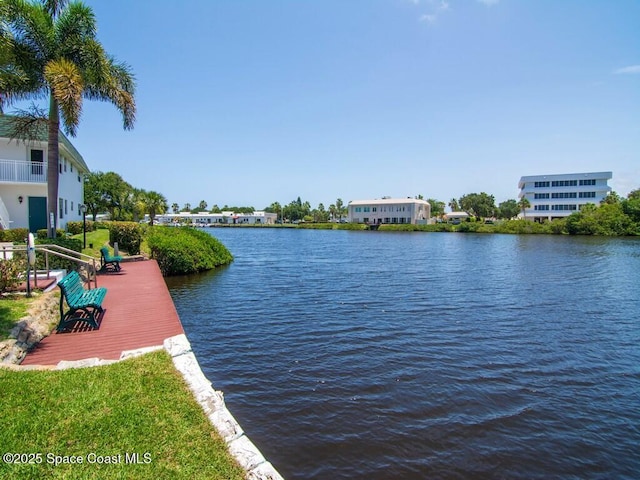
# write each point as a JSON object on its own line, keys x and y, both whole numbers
{"x": 205, "y": 219}
{"x": 558, "y": 196}
{"x": 389, "y": 210}
{"x": 23, "y": 180}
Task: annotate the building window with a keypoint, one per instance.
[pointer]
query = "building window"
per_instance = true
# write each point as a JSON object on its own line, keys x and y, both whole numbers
{"x": 587, "y": 195}
{"x": 78, "y": 178}
{"x": 374, "y": 209}
{"x": 72, "y": 205}
{"x": 564, "y": 207}
{"x": 37, "y": 162}
{"x": 60, "y": 166}
{"x": 541, "y": 207}
{"x": 539, "y": 196}
{"x": 61, "y": 207}
{"x": 564, "y": 195}
{"x": 588, "y": 182}
{"x": 65, "y": 207}
{"x": 564, "y": 183}
{"x": 541, "y": 184}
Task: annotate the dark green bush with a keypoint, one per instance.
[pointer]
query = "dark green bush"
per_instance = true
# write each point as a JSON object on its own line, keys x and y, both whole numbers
{"x": 56, "y": 262}
{"x": 43, "y": 233}
{"x": 14, "y": 235}
{"x": 182, "y": 250}
{"x": 127, "y": 234}
{"x": 74, "y": 228}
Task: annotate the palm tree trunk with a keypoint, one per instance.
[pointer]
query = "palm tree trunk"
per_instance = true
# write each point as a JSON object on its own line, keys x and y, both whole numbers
{"x": 52, "y": 166}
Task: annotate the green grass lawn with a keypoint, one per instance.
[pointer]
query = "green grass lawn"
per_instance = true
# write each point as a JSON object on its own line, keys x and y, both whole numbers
{"x": 12, "y": 309}
{"x": 139, "y": 406}
{"x": 98, "y": 238}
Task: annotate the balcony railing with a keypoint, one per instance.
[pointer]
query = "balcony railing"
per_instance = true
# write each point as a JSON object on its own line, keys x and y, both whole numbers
{"x": 21, "y": 171}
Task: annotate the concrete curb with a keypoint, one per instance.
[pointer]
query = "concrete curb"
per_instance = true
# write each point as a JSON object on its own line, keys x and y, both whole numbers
{"x": 212, "y": 402}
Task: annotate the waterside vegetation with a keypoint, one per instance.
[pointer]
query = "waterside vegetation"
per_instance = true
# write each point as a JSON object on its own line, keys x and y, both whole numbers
{"x": 183, "y": 250}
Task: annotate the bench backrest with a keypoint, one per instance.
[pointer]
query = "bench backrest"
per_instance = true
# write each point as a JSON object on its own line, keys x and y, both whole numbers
{"x": 71, "y": 285}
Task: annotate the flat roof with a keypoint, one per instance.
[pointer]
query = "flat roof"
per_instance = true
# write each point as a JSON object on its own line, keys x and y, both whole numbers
{"x": 387, "y": 201}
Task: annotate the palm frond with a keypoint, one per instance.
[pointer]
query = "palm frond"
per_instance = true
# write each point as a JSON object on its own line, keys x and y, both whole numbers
{"x": 28, "y": 125}
{"x": 67, "y": 85}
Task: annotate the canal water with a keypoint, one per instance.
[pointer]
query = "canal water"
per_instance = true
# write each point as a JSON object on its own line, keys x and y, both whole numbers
{"x": 376, "y": 355}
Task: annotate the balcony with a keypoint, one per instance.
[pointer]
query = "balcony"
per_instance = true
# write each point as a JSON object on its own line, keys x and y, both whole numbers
{"x": 20, "y": 171}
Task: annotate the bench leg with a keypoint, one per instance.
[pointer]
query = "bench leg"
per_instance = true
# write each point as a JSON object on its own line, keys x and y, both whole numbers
{"x": 71, "y": 318}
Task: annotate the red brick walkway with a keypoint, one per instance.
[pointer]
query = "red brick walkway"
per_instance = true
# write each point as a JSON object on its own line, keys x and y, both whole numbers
{"x": 138, "y": 313}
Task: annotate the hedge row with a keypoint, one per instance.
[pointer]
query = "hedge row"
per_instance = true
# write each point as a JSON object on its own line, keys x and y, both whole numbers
{"x": 182, "y": 250}
{"x": 74, "y": 228}
{"x": 14, "y": 235}
{"x": 128, "y": 235}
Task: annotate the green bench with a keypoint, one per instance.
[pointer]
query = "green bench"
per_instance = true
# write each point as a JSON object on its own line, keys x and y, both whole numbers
{"x": 109, "y": 262}
{"x": 83, "y": 304}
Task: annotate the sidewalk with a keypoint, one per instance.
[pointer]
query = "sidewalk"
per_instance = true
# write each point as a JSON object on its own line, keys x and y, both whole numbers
{"x": 138, "y": 313}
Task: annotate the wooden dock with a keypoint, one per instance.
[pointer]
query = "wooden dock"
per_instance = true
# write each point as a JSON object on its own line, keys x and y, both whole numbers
{"x": 138, "y": 312}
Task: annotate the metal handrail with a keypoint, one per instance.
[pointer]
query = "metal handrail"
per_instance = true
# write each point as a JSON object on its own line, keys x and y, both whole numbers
{"x": 89, "y": 264}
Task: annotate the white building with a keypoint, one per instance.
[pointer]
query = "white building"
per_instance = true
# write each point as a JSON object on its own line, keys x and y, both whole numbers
{"x": 23, "y": 181}
{"x": 558, "y": 196}
{"x": 389, "y": 210}
{"x": 205, "y": 219}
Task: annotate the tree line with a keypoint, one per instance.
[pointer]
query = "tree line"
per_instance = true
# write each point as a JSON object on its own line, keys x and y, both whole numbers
{"x": 109, "y": 192}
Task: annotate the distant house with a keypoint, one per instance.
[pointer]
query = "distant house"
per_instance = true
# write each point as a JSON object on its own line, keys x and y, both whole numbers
{"x": 389, "y": 210}
{"x": 23, "y": 181}
{"x": 205, "y": 219}
{"x": 456, "y": 217}
{"x": 558, "y": 196}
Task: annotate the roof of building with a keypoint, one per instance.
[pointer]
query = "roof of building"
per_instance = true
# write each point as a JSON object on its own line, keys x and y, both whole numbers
{"x": 388, "y": 201}
{"x": 564, "y": 176}
{"x": 41, "y": 136}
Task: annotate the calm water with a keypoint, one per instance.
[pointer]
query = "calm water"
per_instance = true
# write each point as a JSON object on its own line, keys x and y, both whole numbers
{"x": 380, "y": 356}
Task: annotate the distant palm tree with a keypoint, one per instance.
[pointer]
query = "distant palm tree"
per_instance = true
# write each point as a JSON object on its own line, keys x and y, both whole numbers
{"x": 50, "y": 49}
{"x": 453, "y": 205}
{"x": 524, "y": 203}
{"x": 175, "y": 207}
{"x": 156, "y": 203}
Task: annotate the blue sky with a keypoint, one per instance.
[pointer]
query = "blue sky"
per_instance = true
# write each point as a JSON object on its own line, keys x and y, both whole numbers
{"x": 251, "y": 102}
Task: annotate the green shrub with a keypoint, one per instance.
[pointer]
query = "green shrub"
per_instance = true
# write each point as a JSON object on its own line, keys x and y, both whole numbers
{"x": 127, "y": 234}
{"x": 44, "y": 232}
{"x": 14, "y": 235}
{"x": 74, "y": 228}
{"x": 55, "y": 262}
{"x": 182, "y": 250}
{"x": 9, "y": 271}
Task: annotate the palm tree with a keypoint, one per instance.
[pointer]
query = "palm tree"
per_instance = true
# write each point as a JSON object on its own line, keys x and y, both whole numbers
{"x": 156, "y": 203}
{"x": 524, "y": 203}
{"x": 175, "y": 207}
{"x": 50, "y": 50}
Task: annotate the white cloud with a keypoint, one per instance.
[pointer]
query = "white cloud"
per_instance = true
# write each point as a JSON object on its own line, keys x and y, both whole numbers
{"x": 489, "y": 3}
{"x": 632, "y": 69}
{"x": 428, "y": 18}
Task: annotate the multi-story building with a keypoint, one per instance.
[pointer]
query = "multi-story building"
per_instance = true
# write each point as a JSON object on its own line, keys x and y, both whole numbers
{"x": 557, "y": 196}
{"x": 23, "y": 181}
{"x": 389, "y": 210}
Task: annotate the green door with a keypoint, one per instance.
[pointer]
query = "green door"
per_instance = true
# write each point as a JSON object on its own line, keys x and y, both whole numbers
{"x": 37, "y": 213}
